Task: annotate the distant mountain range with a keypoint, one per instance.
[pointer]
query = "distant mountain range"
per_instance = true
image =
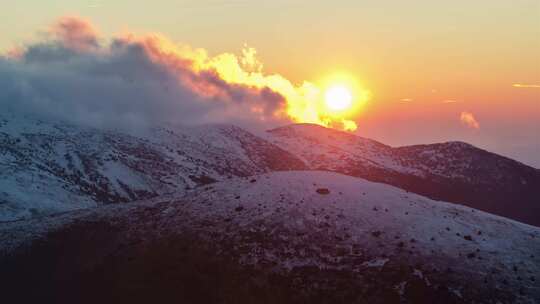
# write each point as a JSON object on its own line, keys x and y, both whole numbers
{"x": 55, "y": 167}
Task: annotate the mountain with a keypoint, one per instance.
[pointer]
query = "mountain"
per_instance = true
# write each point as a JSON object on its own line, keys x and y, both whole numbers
{"x": 281, "y": 237}
{"x": 454, "y": 171}
{"x": 49, "y": 167}
{"x": 54, "y": 167}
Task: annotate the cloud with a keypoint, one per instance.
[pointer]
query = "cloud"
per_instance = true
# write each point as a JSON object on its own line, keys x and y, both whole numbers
{"x": 521, "y": 85}
{"x": 135, "y": 80}
{"x": 468, "y": 119}
{"x": 406, "y": 99}
{"x": 15, "y": 53}
{"x": 76, "y": 33}
{"x": 450, "y": 101}
{"x": 94, "y": 4}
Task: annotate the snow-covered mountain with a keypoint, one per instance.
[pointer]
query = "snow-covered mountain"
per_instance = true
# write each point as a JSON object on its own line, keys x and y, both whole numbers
{"x": 282, "y": 237}
{"x": 216, "y": 214}
{"x": 453, "y": 171}
{"x": 51, "y": 167}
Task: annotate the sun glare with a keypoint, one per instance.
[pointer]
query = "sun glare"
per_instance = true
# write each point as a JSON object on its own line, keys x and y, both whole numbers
{"x": 338, "y": 98}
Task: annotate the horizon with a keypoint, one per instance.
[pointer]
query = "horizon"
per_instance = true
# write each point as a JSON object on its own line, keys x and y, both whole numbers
{"x": 412, "y": 73}
{"x": 257, "y": 132}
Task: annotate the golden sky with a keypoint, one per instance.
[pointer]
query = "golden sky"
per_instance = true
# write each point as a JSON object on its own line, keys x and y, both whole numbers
{"x": 430, "y": 66}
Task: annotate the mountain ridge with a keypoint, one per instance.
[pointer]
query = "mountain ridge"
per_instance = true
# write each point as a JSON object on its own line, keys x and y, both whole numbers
{"x": 54, "y": 167}
{"x": 453, "y": 171}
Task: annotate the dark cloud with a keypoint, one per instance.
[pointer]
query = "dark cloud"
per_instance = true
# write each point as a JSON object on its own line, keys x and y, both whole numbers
{"x": 127, "y": 83}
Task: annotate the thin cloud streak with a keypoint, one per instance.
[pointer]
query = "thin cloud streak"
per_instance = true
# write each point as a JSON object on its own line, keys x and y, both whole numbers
{"x": 520, "y": 85}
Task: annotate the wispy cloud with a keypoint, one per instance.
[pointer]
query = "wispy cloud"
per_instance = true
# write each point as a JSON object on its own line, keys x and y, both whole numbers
{"x": 406, "y": 99}
{"x": 522, "y": 85}
{"x": 212, "y": 3}
{"x": 94, "y": 5}
{"x": 468, "y": 119}
{"x": 450, "y": 101}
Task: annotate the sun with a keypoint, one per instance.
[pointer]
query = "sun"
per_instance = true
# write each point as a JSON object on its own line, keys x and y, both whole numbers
{"x": 338, "y": 98}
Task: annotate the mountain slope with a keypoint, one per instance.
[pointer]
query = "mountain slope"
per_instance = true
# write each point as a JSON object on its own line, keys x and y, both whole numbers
{"x": 52, "y": 167}
{"x": 454, "y": 171}
{"x": 284, "y": 237}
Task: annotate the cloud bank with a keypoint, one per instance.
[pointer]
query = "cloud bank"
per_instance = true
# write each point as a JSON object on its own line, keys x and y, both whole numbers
{"x": 135, "y": 80}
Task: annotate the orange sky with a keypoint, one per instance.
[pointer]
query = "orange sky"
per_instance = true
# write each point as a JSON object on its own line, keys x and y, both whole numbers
{"x": 424, "y": 62}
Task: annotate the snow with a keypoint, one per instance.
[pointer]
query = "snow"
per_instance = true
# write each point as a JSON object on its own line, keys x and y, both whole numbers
{"x": 54, "y": 174}
{"x": 452, "y": 171}
{"x": 329, "y": 149}
{"x": 69, "y": 167}
{"x": 380, "y": 262}
{"x": 358, "y": 226}
{"x": 324, "y": 148}
{"x": 78, "y": 167}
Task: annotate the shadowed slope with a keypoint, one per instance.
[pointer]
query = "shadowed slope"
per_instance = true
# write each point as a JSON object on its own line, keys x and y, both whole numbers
{"x": 275, "y": 238}
{"x": 456, "y": 172}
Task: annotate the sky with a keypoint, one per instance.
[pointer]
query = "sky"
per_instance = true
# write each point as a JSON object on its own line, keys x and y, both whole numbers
{"x": 434, "y": 71}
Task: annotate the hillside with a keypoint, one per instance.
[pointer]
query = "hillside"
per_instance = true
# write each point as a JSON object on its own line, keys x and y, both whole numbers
{"x": 454, "y": 171}
{"x": 283, "y": 237}
{"x": 54, "y": 167}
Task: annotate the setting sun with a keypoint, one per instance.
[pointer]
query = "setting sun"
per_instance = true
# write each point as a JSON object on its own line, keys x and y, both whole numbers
{"x": 338, "y": 98}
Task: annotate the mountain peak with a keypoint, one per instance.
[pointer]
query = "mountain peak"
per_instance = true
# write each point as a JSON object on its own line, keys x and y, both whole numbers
{"x": 315, "y": 131}
{"x": 301, "y": 127}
